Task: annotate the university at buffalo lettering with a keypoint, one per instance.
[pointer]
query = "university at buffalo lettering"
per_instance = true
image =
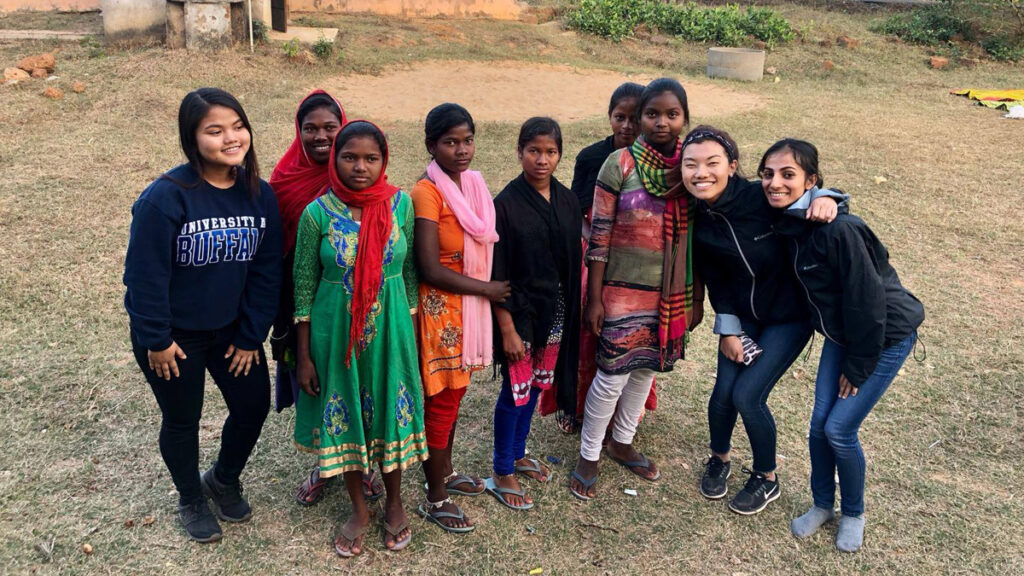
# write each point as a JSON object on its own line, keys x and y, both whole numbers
{"x": 212, "y": 240}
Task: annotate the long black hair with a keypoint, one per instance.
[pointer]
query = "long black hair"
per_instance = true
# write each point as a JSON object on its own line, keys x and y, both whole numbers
{"x": 443, "y": 118}
{"x": 540, "y": 126}
{"x": 194, "y": 107}
{"x": 659, "y": 87}
{"x": 804, "y": 153}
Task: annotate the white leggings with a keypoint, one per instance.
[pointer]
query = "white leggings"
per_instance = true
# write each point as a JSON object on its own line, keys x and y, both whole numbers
{"x": 630, "y": 392}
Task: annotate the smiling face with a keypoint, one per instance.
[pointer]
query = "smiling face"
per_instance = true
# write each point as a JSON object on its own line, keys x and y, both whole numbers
{"x": 784, "y": 180}
{"x": 454, "y": 150}
{"x": 222, "y": 138}
{"x": 623, "y": 121}
{"x": 662, "y": 120}
{"x": 706, "y": 170}
{"x": 359, "y": 162}
{"x": 539, "y": 157}
{"x": 318, "y": 130}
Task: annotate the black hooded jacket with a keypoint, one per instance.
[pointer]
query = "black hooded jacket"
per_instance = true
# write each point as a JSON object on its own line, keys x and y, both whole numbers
{"x": 855, "y": 295}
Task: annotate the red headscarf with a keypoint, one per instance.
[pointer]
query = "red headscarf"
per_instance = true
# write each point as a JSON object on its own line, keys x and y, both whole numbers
{"x": 297, "y": 180}
{"x": 374, "y": 230}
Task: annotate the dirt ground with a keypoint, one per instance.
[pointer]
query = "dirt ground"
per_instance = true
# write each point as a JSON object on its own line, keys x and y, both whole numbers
{"x": 565, "y": 93}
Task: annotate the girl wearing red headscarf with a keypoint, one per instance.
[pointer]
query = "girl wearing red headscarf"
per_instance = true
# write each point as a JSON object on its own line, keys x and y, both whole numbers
{"x": 299, "y": 178}
{"x": 355, "y": 297}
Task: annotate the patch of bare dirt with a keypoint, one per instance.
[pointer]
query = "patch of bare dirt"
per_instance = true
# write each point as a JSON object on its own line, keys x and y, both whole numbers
{"x": 512, "y": 92}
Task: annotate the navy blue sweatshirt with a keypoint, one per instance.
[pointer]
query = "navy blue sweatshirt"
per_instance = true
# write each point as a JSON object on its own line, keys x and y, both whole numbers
{"x": 202, "y": 258}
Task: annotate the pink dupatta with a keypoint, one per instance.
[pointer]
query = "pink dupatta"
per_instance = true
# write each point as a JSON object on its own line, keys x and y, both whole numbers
{"x": 474, "y": 209}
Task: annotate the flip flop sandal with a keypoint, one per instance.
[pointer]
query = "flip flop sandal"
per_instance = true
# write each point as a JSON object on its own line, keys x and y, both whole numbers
{"x": 644, "y": 462}
{"x": 314, "y": 490}
{"x": 533, "y": 466}
{"x": 567, "y": 423}
{"x": 457, "y": 479}
{"x": 351, "y": 536}
{"x": 394, "y": 531}
{"x": 369, "y": 481}
{"x": 587, "y": 484}
{"x": 434, "y": 514}
{"x": 498, "y": 492}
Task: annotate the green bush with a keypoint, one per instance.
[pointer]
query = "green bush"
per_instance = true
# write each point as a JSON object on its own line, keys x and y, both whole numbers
{"x": 928, "y": 25}
{"x": 1002, "y": 48}
{"x": 260, "y": 33}
{"x": 292, "y": 48}
{"x": 723, "y": 25}
{"x": 996, "y": 25}
{"x": 323, "y": 48}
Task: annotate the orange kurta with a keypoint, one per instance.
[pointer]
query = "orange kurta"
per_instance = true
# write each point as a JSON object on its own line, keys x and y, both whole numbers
{"x": 439, "y": 322}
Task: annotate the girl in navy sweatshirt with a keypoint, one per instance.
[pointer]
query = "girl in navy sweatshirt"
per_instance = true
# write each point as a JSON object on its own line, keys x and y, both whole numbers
{"x": 203, "y": 273}
{"x": 869, "y": 321}
{"x": 755, "y": 298}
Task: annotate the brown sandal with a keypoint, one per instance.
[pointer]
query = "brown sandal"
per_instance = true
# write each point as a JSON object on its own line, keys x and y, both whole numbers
{"x": 394, "y": 531}
{"x": 313, "y": 489}
{"x": 351, "y": 536}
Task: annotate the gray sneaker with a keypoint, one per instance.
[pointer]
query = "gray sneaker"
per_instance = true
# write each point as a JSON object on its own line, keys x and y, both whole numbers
{"x": 713, "y": 484}
{"x": 227, "y": 499}
{"x": 199, "y": 522}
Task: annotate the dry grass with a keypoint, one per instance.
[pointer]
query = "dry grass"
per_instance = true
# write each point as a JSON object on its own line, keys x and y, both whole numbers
{"x": 79, "y": 424}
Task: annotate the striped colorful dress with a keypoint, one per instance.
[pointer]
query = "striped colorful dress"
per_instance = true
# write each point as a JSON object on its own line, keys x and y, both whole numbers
{"x": 627, "y": 233}
{"x": 372, "y": 412}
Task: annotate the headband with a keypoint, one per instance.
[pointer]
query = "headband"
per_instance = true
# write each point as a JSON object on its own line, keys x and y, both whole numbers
{"x": 698, "y": 136}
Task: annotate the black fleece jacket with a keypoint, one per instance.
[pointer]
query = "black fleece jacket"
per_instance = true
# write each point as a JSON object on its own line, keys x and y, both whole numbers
{"x": 855, "y": 295}
{"x": 744, "y": 264}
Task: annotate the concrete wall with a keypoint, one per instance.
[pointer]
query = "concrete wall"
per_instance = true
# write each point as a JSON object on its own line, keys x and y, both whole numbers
{"x": 505, "y": 9}
{"x": 134, "y": 21}
{"x": 46, "y": 5}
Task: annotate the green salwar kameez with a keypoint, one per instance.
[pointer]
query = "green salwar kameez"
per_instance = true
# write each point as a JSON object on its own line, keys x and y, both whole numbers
{"x": 370, "y": 413}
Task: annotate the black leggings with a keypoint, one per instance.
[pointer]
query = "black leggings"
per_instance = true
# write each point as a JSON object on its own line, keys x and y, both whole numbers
{"x": 181, "y": 403}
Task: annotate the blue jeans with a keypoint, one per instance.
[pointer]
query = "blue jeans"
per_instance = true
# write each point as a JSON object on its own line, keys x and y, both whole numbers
{"x": 835, "y": 421}
{"x": 743, "y": 390}
{"x": 511, "y": 427}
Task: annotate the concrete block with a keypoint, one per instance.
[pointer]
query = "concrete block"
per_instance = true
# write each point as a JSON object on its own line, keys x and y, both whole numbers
{"x": 208, "y": 26}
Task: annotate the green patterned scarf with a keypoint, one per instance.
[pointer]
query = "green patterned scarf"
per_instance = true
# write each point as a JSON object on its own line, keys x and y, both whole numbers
{"x": 658, "y": 173}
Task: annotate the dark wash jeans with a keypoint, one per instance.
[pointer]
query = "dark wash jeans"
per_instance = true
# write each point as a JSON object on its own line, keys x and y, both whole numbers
{"x": 743, "y": 390}
{"x": 833, "y": 440}
{"x": 181, "y": 403}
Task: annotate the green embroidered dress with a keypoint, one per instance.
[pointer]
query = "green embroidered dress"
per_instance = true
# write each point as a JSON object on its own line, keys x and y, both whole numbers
{"x": 372, "y": 412}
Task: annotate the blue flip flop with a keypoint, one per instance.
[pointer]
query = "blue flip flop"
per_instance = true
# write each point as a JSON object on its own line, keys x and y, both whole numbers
{"x": 644, "y": 462}
{"x": 533, "y": 465}
{"x": 587, "y": 484}
{"x": 455, "y": 481}
{"x": 429, "y": 512}
{"x": 498, "y": 492}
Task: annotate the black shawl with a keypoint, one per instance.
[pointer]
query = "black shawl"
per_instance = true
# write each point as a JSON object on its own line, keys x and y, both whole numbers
{"x": 538, "y": 249}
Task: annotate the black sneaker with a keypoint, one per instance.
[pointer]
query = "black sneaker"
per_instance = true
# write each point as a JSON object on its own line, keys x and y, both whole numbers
{"x": 713, "y": 483}
{"x": 199, "y": 523}
{"x": 758, "y": 492}
{"x": 227, "y": 499}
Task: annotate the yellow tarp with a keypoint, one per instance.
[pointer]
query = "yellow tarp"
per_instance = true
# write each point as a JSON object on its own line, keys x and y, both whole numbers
{"x": 994, "y": 98}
